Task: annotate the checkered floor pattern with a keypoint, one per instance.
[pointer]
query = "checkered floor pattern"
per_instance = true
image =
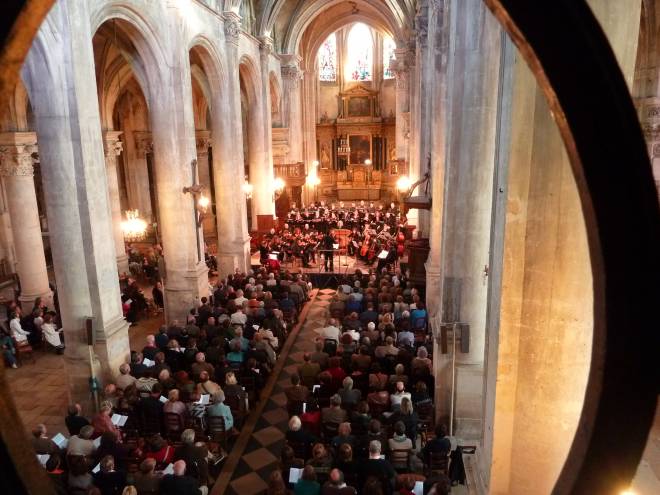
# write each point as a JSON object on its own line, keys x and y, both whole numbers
{"x": 260, "y": 456}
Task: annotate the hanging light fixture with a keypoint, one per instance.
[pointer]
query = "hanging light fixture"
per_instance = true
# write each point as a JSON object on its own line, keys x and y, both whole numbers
{"x": 134, "y": 227}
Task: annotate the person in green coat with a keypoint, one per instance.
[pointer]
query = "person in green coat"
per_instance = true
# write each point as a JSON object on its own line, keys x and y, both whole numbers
{"x": 307, "y": 484}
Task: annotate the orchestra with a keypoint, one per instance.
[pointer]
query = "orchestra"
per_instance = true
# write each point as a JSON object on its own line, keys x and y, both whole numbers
{"x": 313, "y": 233}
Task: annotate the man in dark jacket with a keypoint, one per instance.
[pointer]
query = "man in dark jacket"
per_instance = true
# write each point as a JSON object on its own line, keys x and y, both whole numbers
{"x": 178, "y": 483}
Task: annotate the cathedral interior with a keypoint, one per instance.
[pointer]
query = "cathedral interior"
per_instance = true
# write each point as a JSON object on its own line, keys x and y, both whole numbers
{"x": 244, "y": 178}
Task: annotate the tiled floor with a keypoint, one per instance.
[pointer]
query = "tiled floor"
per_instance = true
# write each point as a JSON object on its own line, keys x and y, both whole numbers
{"x": 38, "y": 387}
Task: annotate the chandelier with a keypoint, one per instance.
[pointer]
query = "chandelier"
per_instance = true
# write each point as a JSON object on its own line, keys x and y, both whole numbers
{"x": 135, "y": 228}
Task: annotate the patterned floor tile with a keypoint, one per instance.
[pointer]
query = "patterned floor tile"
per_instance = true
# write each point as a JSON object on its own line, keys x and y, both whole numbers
{"x": 259, "y": 458}
{"x": 250, "y": 484}
{"x": 279, "y": 399}
{"x": 276, "y": 416}
{"x": 268, "y": 436}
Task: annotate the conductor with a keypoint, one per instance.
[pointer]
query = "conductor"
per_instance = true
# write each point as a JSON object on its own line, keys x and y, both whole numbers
{"x": 328, "y": 251}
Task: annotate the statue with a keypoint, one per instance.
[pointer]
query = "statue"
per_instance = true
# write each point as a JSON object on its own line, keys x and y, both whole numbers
{"x": 392, "y": 152}
{"x": 325, "y": 157}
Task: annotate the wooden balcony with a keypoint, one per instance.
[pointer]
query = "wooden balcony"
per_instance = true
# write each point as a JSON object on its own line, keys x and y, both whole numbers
{"x": 292, "y": 173}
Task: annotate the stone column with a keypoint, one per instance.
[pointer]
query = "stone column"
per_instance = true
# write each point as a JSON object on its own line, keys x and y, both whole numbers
{"x": 173, "y": 131}
{"x": 265, "y": 50}
{"x": 291, "y": 105}
{"x": 203, "y": 143}
{"x": 17, "y": 170}
{"x": 65, "y": 103}
{"x": 402, "y": 131}
{"x": 138, "y": 172}
{"x": 228, "y": 169}
{"x": 309, "y": 83}
{"x": 113, "y": 148}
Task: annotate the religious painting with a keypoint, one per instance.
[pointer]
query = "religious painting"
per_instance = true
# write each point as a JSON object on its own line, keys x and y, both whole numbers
{"x": 360, "y": 148}
{"x": 359, "y": 106}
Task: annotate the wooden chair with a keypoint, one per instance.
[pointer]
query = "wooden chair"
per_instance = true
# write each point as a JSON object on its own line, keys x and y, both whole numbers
{"x": 294, "y": 407}
{"x": 173, "y": 425}
{"x": 216, "y": 428}
{"x": 425, "y": 414}
{"x": 150, "y": 426}
{"x": 237, "y": 406}
{"x": 24, "y": 352}
{"x": 400, "y": 459}
{"x": 329, "y": 430}
{"x": 438, "y": 462}
{"x": 322, "y": 474}
{"x": 300, "y": 449}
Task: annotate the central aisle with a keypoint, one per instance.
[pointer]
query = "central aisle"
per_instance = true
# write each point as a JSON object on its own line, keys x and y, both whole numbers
{"x": 256, "y": 453}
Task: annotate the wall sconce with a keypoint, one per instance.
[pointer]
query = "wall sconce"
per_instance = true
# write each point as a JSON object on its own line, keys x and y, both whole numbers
{"x": 247, "y": 189}
{"x": 404, "y": 183}
{"x": 367, "y": 162}
{"x": 278, "y": 188}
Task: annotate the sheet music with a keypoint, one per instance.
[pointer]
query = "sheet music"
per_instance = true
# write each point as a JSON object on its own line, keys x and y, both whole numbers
{"x": 61, "y": 441}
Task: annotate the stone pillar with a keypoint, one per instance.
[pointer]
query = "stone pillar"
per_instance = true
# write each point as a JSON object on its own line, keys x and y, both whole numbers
{"x": 137, "y": 145}
{"x": 113, "y": 148}
{"x": 291, "y": 107}
{"x": 265, "y": 50}
{"x": 233, "y": 238}
{"x": 203, "y": 143}
{"x": 309, "y": 83}
{"x": 17, "y": 170}
{"x": 65, "y": 104}
{"x": 402, "y": 130}
{"x": 173, "y": 131}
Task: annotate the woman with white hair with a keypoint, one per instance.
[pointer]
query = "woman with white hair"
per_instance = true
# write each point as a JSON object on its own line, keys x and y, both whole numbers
{"x": 421, "y": 363}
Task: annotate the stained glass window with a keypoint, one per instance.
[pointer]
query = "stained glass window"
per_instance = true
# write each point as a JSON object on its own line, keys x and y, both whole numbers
{"x": 327, "y": 59}
{"x": 388, "y": 57}
{"x": 360, "y": 53}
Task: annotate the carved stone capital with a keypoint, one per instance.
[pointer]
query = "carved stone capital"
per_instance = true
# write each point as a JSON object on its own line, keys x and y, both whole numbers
{"x": 202, "y": 143}
{"x": 232, "y": 27}
{"x": 17, "y": 153}
{"x": 144, "y": 143}
{"x": 292, "y": 75}
{"x": 112, "y": 146}
{"x": 265, "y": 46}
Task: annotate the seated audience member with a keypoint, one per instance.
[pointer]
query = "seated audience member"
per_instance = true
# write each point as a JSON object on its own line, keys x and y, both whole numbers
{"x": 175, "y": 406}
{"x": 41, "y": 443}
{"x": 337, "y": 372}
{"x": 236, "y": 356}
{"x": 79, "y": 478}
{"x": 420, "y": 394}
{"x": 386, "y": 350}
{"x": 125, "y": 379}
{"x": 309, "y": 370}
{"x": 343, "y": 436}
{"x": 336, "y": 485}
{"x": 375, "y": 432}
{"x": 349, "y": 396}
{"x": 150, "y": 408}
{"x": 319, "y": 356}
{"x": 320, "y": 457}
{"x": 107, "y": 479}
{"x": 409, "y": 417}
{"x": 296, "y": 392}
{"x": 296, "y": 434}
{"x": 377, "y": 378}
{"x": 102, "y": 421}
{"x": 233, "y": 389}
{"x": 307, "y": 484}
{"x": 162, "y": 339}
{"x": 194, "y": 456}
{"x": 399, "y": 375}
{"x": 311, "y": 418}
{"x": 74, "y": 421}
{"x": 82, "y": 444}
{"x": 159, "y": 450}
{"x": 375, "y": 467}
{"x": 289, "y": 460}
{"x": 362, "y": 360}
{"x": 334, "y": 413}
{"x": 56, "y": 474}
{"x": 440, "y": 444}
{"x": 180, "y": 482}
{"x": 398, "y": 396}
{"x": 51, "y": 334}
{"x": 150, "y": 350}
{"x": 220, "y": 409}
{"x": 276, "y": 484}
{"x": 200, "y": 365}
{"x": 421, "y": 363}
{"x": 138, "y": 368}
{"x": 206, "y": 385}
{"x": 146, "y": 480}
{"x": 400, "y": 441}
{"x": 330, "y": 332}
